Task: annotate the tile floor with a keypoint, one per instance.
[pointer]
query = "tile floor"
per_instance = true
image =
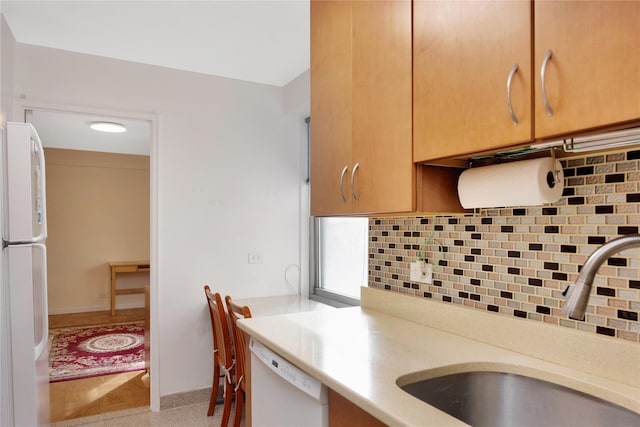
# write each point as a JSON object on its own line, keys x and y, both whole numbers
{"x": 184, "y": 416}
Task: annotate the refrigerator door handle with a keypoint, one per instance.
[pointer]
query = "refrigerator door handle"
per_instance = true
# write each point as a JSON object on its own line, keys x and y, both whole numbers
{"x": 41, "y": 196}
{"x": 41, "y": 347}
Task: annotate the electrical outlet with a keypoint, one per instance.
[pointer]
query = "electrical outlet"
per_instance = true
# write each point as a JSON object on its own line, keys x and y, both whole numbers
{"x": 421, "y": 272}
{"x": 415, "y": 271}
{"x": 256, "y": 258}
{"x": 428, "y": 274}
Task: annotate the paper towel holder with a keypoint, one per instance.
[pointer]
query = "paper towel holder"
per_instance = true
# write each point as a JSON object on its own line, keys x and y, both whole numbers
{"x": 592, "y": 142}
{"x": 553, "y": 177}
{"x": 502, "y": 185}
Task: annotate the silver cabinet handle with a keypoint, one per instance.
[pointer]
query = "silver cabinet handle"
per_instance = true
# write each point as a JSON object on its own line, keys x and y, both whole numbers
{"x": 346, "y": 168}
{"x": 353, "y": 187}
{"x": 513, "y": 71}
{"x": 543, "y": 71}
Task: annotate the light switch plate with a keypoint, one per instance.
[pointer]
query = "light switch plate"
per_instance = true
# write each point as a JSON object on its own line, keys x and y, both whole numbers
{"x": 256, "y": 258}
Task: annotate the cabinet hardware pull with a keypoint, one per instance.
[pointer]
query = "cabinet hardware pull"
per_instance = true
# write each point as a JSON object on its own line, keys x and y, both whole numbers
{"x": 513, "y": 71}
{"x": 353, "y": 188}
{"x": 543, "y": 71}
{"x": 346, "y": 168}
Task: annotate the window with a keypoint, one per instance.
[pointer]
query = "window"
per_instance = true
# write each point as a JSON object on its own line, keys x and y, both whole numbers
{"x": 340, "y": 258}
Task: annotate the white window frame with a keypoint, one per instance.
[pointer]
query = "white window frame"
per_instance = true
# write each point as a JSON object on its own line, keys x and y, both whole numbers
{"x": 316, "y": 292}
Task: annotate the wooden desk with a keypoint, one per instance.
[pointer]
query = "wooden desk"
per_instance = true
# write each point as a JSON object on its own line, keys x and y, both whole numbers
{"x": 125, "y": 267}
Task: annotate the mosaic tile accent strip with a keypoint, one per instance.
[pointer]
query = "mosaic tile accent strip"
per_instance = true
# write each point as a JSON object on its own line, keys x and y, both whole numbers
{"x": 518, "y": 261}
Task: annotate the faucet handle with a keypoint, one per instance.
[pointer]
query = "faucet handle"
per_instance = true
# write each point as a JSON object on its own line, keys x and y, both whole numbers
{"x": 566, "y": 291}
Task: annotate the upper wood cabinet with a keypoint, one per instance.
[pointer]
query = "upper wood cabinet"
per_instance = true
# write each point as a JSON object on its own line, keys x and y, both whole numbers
{"x": 464, "y": 54}
{"x": 361, "y": 137}
{"x": 331, "y": 107}
{"x": 592, "y": 78}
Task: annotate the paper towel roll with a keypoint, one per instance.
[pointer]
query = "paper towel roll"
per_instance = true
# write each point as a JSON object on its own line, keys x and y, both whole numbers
{"x": 521, "y": 183}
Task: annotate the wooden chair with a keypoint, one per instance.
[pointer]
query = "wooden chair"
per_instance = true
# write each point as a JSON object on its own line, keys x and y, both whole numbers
{"x": 237, "y": 312}
{"x": 222, "y": 357}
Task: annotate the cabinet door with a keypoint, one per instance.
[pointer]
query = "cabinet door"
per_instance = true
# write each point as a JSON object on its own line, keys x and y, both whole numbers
{"x": 382, "y": 144}
{"x": 463, "y": 53}
{"x": 331, "y": 107}
{"x": 593, "y": 76}
{"x": 343, "y": 413}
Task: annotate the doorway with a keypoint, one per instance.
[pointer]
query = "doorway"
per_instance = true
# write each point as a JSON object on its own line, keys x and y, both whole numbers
{"x": 98, "y": 190}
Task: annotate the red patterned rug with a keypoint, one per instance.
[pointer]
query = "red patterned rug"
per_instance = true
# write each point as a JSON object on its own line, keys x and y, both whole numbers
{"x": 91, "y": 351}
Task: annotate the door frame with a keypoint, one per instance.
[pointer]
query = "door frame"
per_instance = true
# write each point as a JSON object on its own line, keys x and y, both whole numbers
{"x": 21, "y": 110}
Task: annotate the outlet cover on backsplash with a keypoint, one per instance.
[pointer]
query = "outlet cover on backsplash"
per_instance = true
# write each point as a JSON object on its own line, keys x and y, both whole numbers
{"x": 421, "y": 272}
{"x": 517, "y": 261}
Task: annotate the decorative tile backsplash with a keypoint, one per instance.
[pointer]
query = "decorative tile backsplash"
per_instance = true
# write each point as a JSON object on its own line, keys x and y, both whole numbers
{"x": 518, "y": 261}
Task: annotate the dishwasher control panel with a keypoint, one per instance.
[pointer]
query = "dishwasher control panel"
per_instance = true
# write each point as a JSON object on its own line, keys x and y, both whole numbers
{"x": 289, "y": 372}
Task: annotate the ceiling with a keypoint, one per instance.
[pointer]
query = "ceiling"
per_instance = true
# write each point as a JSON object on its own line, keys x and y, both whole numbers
{"x": 71, "y": 131}
{"x": 258, "y": 41}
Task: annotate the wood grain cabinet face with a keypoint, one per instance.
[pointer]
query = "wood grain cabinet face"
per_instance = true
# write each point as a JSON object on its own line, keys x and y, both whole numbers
{"x": 362, "y": 86}
{"x": 343, "y": 413}
{"x": 361, "y": 107}
{"x": 593, "y": 76}
{"x": 463, "y": 53}
{"x": 331, "y": 106}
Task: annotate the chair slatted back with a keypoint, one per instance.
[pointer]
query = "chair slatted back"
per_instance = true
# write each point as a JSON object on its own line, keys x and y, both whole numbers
{"x": 237, "y": 312}
{"x": 222, "y": 340}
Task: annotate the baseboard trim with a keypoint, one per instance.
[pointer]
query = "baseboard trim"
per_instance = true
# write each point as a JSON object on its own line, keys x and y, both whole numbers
{"x": 98, "y": 419}
{"x": 87, "y": 309}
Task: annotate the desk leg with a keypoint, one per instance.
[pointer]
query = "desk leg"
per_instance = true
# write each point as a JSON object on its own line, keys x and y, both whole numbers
{"x": 113, "y": 291}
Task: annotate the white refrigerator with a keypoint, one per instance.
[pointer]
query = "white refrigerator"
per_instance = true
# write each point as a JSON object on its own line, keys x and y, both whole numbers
{"x": 24, "y": 378}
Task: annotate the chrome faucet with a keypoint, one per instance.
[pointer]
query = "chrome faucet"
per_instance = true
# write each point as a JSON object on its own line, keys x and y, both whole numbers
{"x": 578, "y": 293}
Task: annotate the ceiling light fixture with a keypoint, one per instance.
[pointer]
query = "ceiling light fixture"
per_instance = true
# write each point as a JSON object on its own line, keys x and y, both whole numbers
{"x": 109, "y": 127}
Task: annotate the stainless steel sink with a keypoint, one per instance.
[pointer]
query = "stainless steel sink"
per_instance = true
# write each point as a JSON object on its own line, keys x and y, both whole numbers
{"x": 502, "y": 399}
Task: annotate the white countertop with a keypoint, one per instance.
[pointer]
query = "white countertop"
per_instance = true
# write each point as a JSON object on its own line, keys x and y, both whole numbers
{"x": 361, "y": 353}
{"x": 286, "y": 304}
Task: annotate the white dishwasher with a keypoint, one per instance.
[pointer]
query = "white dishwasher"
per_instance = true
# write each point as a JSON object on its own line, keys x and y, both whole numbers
{"x": 282, "y": 394}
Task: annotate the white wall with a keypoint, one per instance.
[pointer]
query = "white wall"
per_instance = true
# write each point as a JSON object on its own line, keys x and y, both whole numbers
{"x": 7, "y": 49}
{"x": 297, "y": 103}
{"x": 97, "y": 212}
{"x": 296, "y": 95}
{"x": 228, "y": 184}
